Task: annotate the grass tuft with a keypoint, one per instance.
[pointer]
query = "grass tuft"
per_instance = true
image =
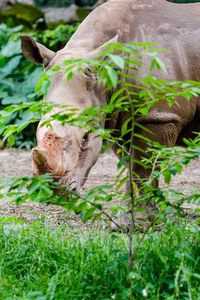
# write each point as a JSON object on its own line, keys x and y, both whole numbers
{"x": 39, "y": 263}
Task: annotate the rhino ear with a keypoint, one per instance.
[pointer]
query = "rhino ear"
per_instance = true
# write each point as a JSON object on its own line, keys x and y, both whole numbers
{"x": 36, "y": 52}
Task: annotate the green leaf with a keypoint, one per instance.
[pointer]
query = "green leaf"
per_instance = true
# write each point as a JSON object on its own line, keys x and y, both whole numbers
{"x": 123, "y": 161}
{"x": 72, "y": 203}
{"x": 10, "y": 66}
{"x": 167, "y": 176}
{"x": 118, "y": 60}
{"x": 157, "y": 63}
{"x": 89, "y": 214}
{"x": 12, "y": 48}
{"x": 112, "y": 75}
{"x": 14, "y": 100}
{"x": 83, "y": 206}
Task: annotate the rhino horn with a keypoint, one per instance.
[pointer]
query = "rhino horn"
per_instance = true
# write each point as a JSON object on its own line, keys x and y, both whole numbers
{"x": 40, "y": 160}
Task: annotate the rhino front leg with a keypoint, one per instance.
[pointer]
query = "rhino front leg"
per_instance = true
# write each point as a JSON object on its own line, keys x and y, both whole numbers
{"x": 165, "y": 134}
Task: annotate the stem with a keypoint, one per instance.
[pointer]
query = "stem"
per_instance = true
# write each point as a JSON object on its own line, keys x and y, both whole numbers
{"x": 132, "y": 192}
{"x": 132, "y": 203}
{"x": 107, "y": 216}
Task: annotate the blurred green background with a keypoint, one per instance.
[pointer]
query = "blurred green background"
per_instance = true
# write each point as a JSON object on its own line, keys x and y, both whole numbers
{"x": 19, "y": 77}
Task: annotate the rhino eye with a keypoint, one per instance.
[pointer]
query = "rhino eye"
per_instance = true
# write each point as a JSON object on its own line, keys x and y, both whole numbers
{"x": 90, "y": 73}
{"x": 85, "y": 140}
{"x": 86, "y": 137}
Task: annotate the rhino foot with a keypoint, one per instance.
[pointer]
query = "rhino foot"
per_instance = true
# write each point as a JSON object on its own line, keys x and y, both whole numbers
{"x": 143, "y": 220}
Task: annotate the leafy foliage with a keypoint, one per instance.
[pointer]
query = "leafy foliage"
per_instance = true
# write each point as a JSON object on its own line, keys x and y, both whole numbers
{"x": 22, "y": 14}
{"x": 58, "y": 37}
{"x": 19, "y": 77}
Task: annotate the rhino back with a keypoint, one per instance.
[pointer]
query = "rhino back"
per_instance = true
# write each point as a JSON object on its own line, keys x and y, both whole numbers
{"x": 173, "y": 26}
{"x": 129, "y": 17}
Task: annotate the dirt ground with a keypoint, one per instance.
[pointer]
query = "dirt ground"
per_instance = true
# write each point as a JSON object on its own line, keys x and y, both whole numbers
{"x": 15, "y": 163}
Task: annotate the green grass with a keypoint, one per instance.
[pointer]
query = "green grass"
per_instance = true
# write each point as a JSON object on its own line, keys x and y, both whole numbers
{"x": 37, "y": 262}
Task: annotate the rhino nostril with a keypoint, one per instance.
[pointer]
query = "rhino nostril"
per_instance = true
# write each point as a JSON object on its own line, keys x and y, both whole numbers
{"x": 73, "y": 186}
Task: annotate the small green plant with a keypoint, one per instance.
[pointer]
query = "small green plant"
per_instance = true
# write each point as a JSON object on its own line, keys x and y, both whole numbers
{"x": 112, "y": 71}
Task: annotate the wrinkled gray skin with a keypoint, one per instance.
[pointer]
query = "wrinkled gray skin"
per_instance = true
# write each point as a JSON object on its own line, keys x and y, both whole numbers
{"x": 64, "y": 151}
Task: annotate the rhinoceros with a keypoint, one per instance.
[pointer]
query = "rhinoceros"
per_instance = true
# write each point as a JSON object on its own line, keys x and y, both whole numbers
{"x": 70, "y": 152}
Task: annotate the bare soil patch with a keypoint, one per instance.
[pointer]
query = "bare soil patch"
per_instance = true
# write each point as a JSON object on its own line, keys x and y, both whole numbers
{"x": 15, "y": 163}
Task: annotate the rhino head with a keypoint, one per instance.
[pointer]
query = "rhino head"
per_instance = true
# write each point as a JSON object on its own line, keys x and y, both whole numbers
{"x": 67, "y": 152}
